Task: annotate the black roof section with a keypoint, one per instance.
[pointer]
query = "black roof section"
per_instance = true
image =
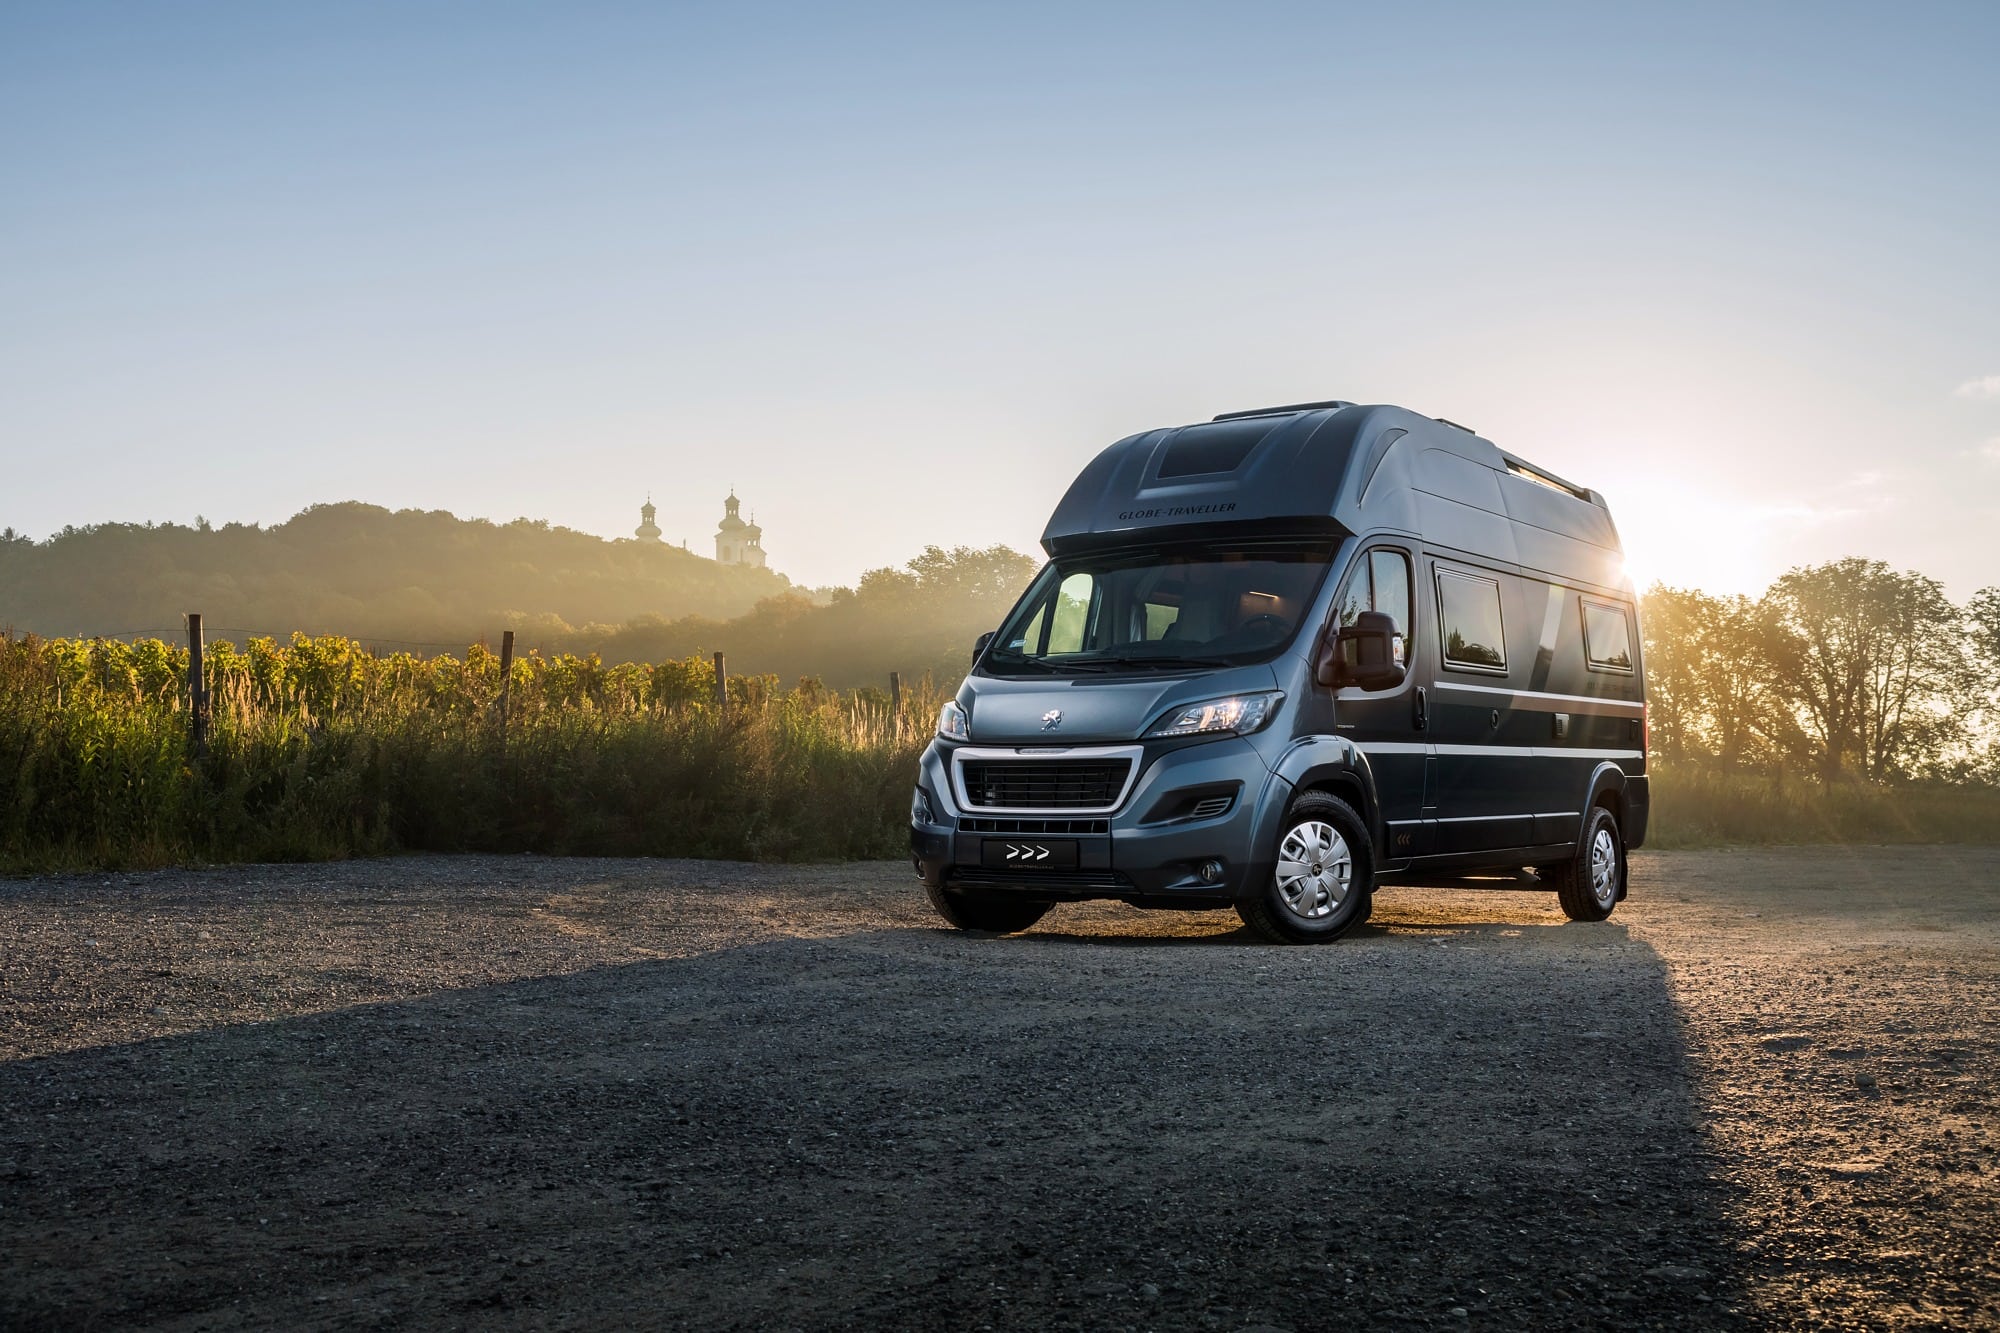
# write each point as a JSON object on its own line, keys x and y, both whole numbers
{"x": 1338, "y": 468}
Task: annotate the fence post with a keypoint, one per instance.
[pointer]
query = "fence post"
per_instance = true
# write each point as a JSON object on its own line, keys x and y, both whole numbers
{"x": 896, "y": 704}
{"x": 506, "y": 674}
{"x": 721, "y": 688}
{"x": 197, "y": 690}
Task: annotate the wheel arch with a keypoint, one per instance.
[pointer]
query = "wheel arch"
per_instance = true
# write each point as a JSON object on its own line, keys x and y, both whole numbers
{"x": 1607, "y": 788}
{"x": 1343, "y": 773}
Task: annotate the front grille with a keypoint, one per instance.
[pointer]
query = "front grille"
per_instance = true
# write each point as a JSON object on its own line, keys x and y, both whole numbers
{"x": 1059, "y": 881}
{"x": 1045, "y": 784}
{"x": 997, "y": 824}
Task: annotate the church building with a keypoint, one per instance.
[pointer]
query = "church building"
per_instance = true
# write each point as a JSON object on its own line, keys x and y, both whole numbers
{"x": 738, "y": 542}
{"x": 648, "y": 530}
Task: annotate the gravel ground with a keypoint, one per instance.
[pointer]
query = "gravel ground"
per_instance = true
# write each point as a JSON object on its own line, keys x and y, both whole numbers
{"x": 480, "y": 1092}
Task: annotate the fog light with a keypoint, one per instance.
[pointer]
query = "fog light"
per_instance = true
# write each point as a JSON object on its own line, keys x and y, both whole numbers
{"x": 1210, "y": 871}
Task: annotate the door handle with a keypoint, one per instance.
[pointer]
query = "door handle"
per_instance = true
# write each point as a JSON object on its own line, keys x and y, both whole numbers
{"x": 1422, "y": 705}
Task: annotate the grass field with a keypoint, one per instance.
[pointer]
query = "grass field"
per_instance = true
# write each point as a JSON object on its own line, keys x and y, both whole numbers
{"x": 320, "y": 750}
{"x": 1698, "y": 809}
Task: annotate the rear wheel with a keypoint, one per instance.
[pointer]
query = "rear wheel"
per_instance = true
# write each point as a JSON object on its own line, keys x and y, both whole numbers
{"x": 1324, "y": 881}
{"x": 1589, "y": 886}
{"x": 1000, "y": 914}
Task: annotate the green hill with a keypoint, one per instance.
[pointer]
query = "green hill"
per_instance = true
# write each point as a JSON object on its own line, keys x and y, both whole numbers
{"x": 359, "y": 570}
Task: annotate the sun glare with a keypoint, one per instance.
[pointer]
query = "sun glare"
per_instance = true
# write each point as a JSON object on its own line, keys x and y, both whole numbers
{"x": 1689, "y": 539}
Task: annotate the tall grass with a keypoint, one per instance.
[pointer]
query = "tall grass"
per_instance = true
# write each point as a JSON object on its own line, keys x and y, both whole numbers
{"x": 1696, "y": 808}
{"x": 318, "y": 749}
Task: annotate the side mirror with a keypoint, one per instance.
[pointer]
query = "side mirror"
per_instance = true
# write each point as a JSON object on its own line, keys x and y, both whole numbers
{"x": 1362, "y": 654}
{"x": 979, "y": 646}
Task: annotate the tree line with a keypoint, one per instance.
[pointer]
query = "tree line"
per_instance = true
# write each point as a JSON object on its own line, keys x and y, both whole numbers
{"x": 918, "y": 620}
{"x": 358, "y": 570}
{"x": 1847, "y": 671}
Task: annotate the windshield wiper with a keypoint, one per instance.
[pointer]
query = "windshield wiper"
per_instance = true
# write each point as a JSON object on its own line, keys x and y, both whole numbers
{"x": 1166, "y": 661}
{"x": 1009, "y": 661}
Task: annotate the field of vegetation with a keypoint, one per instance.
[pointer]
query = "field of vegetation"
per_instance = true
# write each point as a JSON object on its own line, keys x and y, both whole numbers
{"x": 318, "y": 749}
{"x": 1850, "y": 704}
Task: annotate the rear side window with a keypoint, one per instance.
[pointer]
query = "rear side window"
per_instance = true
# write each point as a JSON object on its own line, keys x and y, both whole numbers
{"x": 1469, "y": 617}
{"x": 1380, "y": 582}
{"x": 1607, "y": 637}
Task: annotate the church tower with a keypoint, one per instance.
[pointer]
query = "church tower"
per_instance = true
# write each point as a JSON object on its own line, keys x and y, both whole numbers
{"x": 738, "y": 542}
{"x": 647, "y": 531}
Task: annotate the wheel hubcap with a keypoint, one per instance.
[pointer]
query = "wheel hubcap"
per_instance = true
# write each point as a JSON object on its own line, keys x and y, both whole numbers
{"x": 1315, "y": 870}
{"x": 1604, "y": 868}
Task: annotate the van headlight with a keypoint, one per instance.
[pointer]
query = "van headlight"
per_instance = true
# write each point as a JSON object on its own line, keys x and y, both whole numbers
{"x": 1237, "y": 715}
{"x": 953, "y": 724}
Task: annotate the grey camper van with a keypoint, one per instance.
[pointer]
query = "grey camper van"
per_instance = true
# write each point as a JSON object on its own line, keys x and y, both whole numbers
{"x": 1284, "y": 656}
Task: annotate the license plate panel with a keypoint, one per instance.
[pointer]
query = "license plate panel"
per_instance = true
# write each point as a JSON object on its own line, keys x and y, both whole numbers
{"x": 1028, "y": 854}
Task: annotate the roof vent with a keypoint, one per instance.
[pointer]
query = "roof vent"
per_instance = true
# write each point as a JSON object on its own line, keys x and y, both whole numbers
{"x": 1198, "y": 450}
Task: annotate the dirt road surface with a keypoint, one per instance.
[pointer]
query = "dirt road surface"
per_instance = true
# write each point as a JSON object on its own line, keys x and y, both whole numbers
{"x": 489, "y": 1093}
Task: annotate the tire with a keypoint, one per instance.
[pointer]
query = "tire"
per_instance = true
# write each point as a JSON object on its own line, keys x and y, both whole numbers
{"x": 1590, "y": 885}
{"x": 1000, "y": 915}
{"x": 1306, "y": 900}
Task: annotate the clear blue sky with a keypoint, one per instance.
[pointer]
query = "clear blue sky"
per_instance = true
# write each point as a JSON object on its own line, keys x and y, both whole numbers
{"x": 896, "y": 272}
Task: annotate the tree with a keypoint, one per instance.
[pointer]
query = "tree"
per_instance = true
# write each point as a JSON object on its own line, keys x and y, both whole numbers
{"x": 1870, "y": 661}
{"x": 1707, "y": 691}
{"x": 1982, "y": 705}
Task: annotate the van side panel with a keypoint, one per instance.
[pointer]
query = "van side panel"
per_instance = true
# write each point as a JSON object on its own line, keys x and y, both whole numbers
{"x": 1519, "y": 753}
{"x": 1486, "y": 781}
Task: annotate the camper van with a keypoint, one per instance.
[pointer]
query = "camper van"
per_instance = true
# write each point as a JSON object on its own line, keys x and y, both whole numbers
{"x": 1282, "y": 657}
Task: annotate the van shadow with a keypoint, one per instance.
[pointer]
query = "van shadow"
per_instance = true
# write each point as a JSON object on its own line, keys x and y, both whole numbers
{"x": 1446, "y": 912}
{"x": 897, "y": 1128}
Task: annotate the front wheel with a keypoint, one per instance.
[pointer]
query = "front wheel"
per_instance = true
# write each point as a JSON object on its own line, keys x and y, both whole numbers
{"x": 1324, "y": 881}
{"x": 1002, "y": 915}
{"x": 1589, "y": 886}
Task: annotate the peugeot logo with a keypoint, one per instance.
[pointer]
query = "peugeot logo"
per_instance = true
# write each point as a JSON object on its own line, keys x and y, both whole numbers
{"x": 1052, "y": 719}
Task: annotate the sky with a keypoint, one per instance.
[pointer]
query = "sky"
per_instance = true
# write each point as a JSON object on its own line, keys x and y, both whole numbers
{"x": 895, "y": 273}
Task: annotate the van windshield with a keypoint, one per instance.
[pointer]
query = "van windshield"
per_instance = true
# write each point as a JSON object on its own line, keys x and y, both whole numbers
{"x": 1161, "y": 608}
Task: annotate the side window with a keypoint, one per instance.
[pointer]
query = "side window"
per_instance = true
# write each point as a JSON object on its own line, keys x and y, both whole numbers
{"x": 1469, "y": 619}
{"x": 1390, "y": 573}
{"x": 1356, "y": 595}
{"x": 1379, "y": 582}
{"x": 1069, "y": 626}
{"x": 1031, "y": 637}
{"x": 1607, "y": 637}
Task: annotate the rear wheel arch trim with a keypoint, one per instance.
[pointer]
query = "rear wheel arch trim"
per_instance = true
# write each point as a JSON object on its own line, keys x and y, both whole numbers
{"x": 1607, "y": 788}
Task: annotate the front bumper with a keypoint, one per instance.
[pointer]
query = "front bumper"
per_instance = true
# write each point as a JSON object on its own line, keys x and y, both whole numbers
{"x": 1142, "y": 852}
